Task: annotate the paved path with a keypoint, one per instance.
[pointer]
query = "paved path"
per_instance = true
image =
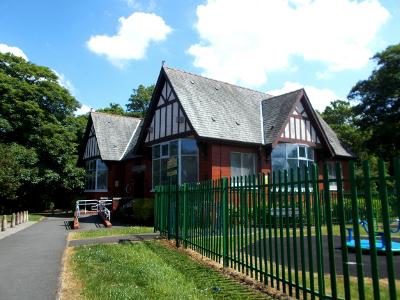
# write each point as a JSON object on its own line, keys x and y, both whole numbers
{"x": 30, "y": 261}
{"x": 115, "y": 239}
{"x": 10, "y": 231}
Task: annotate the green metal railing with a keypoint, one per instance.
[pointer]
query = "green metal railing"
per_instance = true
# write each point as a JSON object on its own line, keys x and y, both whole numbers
{"x": 292, "y": 234}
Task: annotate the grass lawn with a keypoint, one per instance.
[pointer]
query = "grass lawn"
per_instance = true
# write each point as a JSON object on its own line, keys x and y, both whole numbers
{"x": 149, "y": 270}
{"x": 89, "y": 234}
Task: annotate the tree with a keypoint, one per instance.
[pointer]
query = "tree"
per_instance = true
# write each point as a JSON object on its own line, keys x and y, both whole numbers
{"x": 139, "y": 100}
{"x": 114, "y": 109}
{"x": 341, "y": 116}
{"x": 378, "y": 104}
{"x": 35, "y": 124}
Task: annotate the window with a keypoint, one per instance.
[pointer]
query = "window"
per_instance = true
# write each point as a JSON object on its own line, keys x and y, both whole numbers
{"x": 287, "y": 156}
{"x": 187, "y": 153}
{"x": 96, "y": 175}
{"x": 332, "y": 175}
{"x": 242, "y": 164}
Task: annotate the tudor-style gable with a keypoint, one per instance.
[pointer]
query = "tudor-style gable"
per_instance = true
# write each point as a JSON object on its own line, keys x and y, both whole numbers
{"x": 300, "y": 127}
{"x": 91, "y": 148}
{"x": 167, "y": 117}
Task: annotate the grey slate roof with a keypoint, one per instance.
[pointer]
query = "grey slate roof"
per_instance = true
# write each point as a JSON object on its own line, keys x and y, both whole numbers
{"x": 217, "y": 109}
{"x": 337, "y": 146}
{"x": 275, "y": 113}
{"x": 220, "y": 110}
{"x": 115, "y": 134}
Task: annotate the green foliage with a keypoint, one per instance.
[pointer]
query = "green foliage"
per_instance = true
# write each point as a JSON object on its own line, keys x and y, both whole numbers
{"x": 114, "y": 109}
{"x": 17, "y": 170}
{"x": 37, "y": 123}
{"x": 341, "y": 116}
{"x": 143, "y": 211}
{"x": 139, "y": 101}
{"x": 378, "y": 104}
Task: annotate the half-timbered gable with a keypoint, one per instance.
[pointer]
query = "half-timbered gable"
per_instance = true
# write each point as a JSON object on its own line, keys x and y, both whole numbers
{"x": 91, "y": 149}
{"x": 168, "y": 118}
{"x": 300, "y": 127}
{"x": 108, "y": 140}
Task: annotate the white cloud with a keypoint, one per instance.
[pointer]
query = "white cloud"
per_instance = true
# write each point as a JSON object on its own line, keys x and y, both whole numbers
{"x": 66, "y": 83}
{"x": 82, "y": 110}
{"x": 244, "y": 40}
{"x": 319, "y": 98}
{"x": 132, "y": 39}
{"x": 13, "y": 50}
{"x": 136, "y": 5}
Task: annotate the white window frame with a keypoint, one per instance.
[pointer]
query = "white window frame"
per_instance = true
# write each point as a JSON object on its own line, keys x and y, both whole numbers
{"x": 179, "y": 156}
{"x": 95, "y": 179}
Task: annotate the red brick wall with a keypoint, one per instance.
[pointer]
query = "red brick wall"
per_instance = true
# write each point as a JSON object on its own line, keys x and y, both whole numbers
{"x": 218, "y": 163}
{"x": 115, "y": 173}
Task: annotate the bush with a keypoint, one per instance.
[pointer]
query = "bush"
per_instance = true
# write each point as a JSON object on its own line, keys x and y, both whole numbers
{"x": 143, "y": 211}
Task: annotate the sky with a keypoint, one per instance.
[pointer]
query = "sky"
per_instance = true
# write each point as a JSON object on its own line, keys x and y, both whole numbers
{"x": 103, "y": 49}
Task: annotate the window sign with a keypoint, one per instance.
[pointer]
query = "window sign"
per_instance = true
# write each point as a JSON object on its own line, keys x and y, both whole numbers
{"x": 184, "y": 152}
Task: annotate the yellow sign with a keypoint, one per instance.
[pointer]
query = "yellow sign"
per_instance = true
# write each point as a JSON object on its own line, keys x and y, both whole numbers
{"x": 172, "y": 163}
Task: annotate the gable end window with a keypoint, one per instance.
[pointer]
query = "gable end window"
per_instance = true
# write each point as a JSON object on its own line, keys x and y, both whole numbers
{"x": 96, "y": 176}
{"x": 243, "y": 164}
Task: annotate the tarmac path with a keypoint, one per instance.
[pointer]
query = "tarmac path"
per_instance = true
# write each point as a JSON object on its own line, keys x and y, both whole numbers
{"x": 30, "y": 260}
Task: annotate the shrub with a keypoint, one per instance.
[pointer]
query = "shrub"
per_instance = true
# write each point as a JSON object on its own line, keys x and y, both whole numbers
{"x": 143, "y": 211}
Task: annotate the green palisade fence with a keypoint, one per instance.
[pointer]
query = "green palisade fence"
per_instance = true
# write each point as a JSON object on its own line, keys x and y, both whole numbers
{"x": 290, "y": 230}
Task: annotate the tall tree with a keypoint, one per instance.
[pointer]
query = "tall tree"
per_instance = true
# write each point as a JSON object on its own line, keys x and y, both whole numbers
{"x": 113, "y": 108}
{"x": 35, "y": 123}
{"x": 341, "y": 116}
{"x": 139, "y": 100}
{"x": 378, "y": 107}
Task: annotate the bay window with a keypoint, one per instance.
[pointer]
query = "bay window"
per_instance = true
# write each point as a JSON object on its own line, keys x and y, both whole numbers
{"x": 288, "y": 156}
{"x": 186, "y": 152}
{"x": 96, "y": 175}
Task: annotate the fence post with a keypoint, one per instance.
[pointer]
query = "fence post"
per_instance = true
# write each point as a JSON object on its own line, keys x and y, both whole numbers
{"x": 185, "y": 195}
{"x": 177, "y": 190}
{"x": 155, "y": 209}
{"x": 396, "y": 167}
{"x": 386, "y": 228}
{"x": 225, "y": 220}
{"x": 169, "y": 210}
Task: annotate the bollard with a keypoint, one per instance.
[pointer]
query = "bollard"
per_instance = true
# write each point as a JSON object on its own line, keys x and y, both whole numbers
{"x": 27, "y": 216}
{"x": 4, "y": 223}
{"x": 23, "y": 216}
{"x": 13, "y": 220}
{"x": 18, "y": 218}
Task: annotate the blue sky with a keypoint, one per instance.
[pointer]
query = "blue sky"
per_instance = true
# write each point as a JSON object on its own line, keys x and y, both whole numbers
{"x": 102, "y": 49}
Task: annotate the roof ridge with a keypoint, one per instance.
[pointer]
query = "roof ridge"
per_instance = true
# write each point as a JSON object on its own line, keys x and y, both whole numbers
{"x": 216, "y": 80}
{"x": 115, "y": 115}
{"x": 292, "y": 92}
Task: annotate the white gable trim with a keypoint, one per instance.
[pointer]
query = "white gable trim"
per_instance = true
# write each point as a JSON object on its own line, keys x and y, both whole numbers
{"x": 129, "y": 142}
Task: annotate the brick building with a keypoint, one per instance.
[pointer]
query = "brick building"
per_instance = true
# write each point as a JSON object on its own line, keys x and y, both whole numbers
{"x": 215, "y": 130}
